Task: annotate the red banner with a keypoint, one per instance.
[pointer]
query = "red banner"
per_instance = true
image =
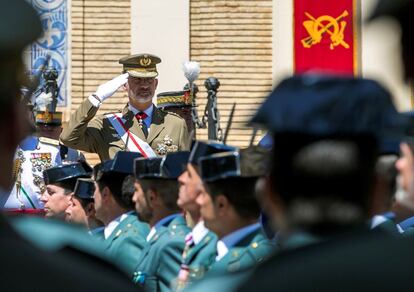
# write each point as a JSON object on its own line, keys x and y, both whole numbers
{"x": 325, "y": 36}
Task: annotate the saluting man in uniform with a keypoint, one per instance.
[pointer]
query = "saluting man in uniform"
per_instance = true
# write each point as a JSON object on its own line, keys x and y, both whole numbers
{"x": 139, "y": 127}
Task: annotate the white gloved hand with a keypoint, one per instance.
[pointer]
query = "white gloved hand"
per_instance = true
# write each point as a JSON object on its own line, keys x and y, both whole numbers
{"x": 109, "y": 88}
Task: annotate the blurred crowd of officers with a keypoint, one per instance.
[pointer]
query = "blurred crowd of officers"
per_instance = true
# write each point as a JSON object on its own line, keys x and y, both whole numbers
{"x": 324, "y": 203}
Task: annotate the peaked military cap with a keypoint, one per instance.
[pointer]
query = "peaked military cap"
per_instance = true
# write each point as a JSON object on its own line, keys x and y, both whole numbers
{"x": 123, "y": 163}
{"x": 174, "y": 99}
{"x": 141, "y": 65}
{"x": 84, "y": 188}
{"x": 171, "y": 166}
{"x": 249, "y": 162}
{"x": 66, "y": 172}
{"x": 200, "y": 149}
{"x": 331, "y": 105}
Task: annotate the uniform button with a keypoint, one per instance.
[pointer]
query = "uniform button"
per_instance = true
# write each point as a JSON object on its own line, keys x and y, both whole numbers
{"x": 255, "y": 244}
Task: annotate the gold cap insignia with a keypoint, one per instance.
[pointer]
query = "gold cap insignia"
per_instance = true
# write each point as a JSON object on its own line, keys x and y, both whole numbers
{"x": 145, "y": 61}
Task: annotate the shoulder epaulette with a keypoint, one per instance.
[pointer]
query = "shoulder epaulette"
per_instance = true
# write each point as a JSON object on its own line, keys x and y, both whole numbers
{"x": 49, "y": 141}
{"x": 171, "y": 113}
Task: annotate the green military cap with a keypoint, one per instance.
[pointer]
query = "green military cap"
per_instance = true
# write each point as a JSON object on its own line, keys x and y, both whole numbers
{"x": 141, "y": 65}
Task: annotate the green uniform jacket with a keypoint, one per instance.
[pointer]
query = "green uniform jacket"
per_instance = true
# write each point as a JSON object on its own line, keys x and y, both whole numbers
{"x": 34, "y": 248}
{"x": 161, "y": 259}
{"x": 96, "y": 134}
{"x": 248, "y": 252}
{"x": 200, "y": 257}
{"x": 126, "y": 242}
{"x": 225, "y": 282}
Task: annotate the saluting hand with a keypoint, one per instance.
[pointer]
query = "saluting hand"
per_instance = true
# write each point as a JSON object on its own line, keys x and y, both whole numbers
{"x": 109, "y": 88}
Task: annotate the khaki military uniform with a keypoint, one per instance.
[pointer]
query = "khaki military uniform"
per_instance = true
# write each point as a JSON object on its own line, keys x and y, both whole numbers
{"x": 87, "y": 132}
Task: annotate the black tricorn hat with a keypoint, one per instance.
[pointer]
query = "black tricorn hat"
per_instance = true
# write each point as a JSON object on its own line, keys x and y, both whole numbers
{"x": 323, "y": 105}
{"x": 204, "y": 148}
{"x": 170, "y": 166}
{"x": 123, "y": 163}
{"x": 249, "y": 162}
{"x": 84, "y": 188}
{"x": 63, "y": 173}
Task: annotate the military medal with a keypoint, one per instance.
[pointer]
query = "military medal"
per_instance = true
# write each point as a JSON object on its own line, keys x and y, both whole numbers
{"x": 167, "y": 146}
{"x": 17, "y": 174}
{"x": 182, "y": 277}
{"x": 40, "y": 162}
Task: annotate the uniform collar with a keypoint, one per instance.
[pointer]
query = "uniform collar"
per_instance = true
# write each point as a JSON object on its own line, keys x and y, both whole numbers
{"x": 222, "y": 250}
{"x": 377, "y": 220}
{"x": 97, "y": 230}
{"x": 163, "y": 222}
{"x": 233, "y": 238}
{"x": 148, "y": 111}
{"x": 114, "y": 224}
{"x": 29, "y": 143}
{"x": 166, "y": 220}
{"x": 199, "y": 232}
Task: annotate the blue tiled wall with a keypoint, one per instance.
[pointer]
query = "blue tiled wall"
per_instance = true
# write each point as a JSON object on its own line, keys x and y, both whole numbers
{"x": 54, "y": 17}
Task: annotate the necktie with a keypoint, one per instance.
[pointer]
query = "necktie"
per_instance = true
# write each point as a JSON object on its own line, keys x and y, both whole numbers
{"x": 141, "y": 116}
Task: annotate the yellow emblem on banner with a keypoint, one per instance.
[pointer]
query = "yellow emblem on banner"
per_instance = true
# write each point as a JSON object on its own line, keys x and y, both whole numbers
{"x": 317, "y": 27}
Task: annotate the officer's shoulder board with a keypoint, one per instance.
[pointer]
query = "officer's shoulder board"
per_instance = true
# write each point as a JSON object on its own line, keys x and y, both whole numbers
{"x": 260, "y": 250}
{"x": 166, "y": 112}
{"x": 49, "y": 141}
{"x": 108, "y": 115}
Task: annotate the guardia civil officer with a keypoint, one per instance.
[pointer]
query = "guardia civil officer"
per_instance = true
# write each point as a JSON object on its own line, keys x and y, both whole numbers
{"x": 60, "y": 182}
{"x": 155, "y": 197}
{"x": 81, "y": 209}
{"x": 140, "y": 126}
{"x": 124, "y": 233}
{"x": 230, "y": 209}
{"x": 200, "y": 248}
{"x": 402, "y": 12}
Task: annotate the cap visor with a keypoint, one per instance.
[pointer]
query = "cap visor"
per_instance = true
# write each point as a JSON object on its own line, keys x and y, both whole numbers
{"x": 142, "y": 74}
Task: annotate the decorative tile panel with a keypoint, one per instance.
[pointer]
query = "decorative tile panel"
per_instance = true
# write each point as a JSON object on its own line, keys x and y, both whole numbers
{"x": 54, "y": 42}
